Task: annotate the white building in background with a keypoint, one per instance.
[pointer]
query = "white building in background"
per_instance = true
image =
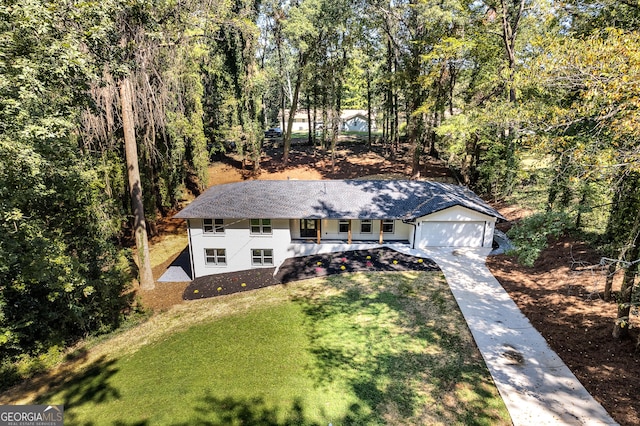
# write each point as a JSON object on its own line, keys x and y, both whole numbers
{"x": 350, "y": 120}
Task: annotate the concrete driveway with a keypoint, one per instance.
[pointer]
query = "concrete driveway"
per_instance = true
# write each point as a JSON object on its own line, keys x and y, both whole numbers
{"x": 535, "y": 384}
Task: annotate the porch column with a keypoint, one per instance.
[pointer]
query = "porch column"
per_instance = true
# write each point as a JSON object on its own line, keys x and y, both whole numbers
{"x": 318, "y": 223}
{"x": 381, "y": 238}
{"x": 349, "y": 232}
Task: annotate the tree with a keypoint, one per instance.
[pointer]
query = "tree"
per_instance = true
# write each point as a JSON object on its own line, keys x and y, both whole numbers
{"x": 302, "y": 35}
{"x": 593, "y": 120}
{"x": 61, "y": 276}
{"x": 143, "y": 57}
{"x": 135, "y": 188}
{"x": 624, "y": 231}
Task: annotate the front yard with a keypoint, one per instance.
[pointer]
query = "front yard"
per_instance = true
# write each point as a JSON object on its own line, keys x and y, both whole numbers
{"x": 362, "y": 348}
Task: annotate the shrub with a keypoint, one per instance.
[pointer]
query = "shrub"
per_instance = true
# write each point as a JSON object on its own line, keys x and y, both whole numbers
{"x": 530, "y": 236}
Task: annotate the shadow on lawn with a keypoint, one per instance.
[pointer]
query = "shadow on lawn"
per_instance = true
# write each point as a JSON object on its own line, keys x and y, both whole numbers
{"x": 382, "y": 341}
{"x": 254, "y": 411}
{"x": 89, "y": 386}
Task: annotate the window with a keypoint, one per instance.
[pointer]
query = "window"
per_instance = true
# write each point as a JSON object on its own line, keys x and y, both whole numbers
{"x": 261, "y": 226}
{"x": 262, "y": 257}
{"x": 387, "y": 226}
{"x": 366, "y": 226}
{"x": 213, "y": 226}
{"x": 216, "y": 257}
{"x": 343, "y": 226}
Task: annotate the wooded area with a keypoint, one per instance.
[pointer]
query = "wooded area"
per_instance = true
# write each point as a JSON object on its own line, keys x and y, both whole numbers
{"x": 481, "y": 84}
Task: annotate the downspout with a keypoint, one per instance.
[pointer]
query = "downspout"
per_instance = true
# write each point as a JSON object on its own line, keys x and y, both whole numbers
{"x": 412, "y": 222}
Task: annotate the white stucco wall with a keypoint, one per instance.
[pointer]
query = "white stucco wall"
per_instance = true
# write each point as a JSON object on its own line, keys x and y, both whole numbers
{"x": 238, "y": 242}
{"x": 455, "y": 227}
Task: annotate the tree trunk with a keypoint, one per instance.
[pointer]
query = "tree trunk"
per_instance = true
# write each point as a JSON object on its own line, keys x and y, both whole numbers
{"x": 310, "y": 139}
{"x": 135, "y": 188}
{"x": 315, "y": 115}
{"x": 292, "y": 111}
{"x": 608, "y": 285}
{"x": 621, "y": 327}
{"x": 623, "y": 227}
{"x": 325, "y": 122}
{"x": 368, "y": 110}
{"x": 337, "y": 121}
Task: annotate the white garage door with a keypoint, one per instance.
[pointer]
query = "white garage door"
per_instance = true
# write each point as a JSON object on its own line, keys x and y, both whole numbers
{"x": 451, "y": 234}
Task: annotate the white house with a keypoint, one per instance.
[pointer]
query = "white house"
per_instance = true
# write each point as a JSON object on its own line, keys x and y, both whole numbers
{"x": 255, "y": 224}
{"x": 350, "y": 119}
{"x": 354, "y": 120}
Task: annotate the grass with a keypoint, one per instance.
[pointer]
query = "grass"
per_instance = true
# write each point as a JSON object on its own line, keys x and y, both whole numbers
{"x": 168, "y": 247}
{"x": 351, "y": 349}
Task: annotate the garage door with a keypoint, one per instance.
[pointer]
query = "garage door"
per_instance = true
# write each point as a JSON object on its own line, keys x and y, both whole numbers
{"x": 451, "y": 234}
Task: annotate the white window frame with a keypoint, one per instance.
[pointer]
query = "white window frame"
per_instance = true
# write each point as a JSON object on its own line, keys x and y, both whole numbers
{"x": 366, "y": 222}
{"x": 345, "y": 223}
{"x": 262, "y": 257}
{"x": 215, "y": 257}
{"x": 260, "y": 226}
{"x": 388, "y": 222}
{"x": 213, "y": 226}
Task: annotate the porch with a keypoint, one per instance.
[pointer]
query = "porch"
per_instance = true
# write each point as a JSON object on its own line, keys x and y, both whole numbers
{"x": 306, "y": 247}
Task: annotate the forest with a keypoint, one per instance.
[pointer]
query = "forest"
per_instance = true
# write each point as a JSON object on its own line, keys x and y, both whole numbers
{"x": 110, "y": 112}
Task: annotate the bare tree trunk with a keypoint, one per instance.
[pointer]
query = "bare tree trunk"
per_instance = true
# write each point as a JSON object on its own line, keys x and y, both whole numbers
{"x": 292, "y": 111}
{"x": 310, "y": 139}
{"x": 315, "y": 117}
{"x": 368, "y": 110}
{"x": 337, "y": 121}
{"x": 325, "y": 121}
{"x": 135, "y": 188}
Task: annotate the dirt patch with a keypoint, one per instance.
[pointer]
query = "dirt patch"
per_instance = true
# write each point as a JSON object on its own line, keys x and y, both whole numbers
{"x": 351, "y": 160}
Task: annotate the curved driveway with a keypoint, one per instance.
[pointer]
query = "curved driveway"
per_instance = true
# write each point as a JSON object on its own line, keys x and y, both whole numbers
{"x": 535, "y": 384}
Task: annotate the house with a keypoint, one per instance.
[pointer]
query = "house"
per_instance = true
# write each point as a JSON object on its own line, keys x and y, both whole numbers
{"x": 350, "y": 119}
{"x": 354, "y": 120}
{"x": 255, "y": 224}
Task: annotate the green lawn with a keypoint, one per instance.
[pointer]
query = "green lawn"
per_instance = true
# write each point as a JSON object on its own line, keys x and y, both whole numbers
{"x": 386, "y": 348}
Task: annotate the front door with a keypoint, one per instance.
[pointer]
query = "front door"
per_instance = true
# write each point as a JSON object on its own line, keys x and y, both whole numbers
{"x": 309, "y": 228}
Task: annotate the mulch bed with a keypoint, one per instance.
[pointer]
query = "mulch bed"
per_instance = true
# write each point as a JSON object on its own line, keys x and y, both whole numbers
{"x": 565, "y": 305}
{"x": 301, "y": 268}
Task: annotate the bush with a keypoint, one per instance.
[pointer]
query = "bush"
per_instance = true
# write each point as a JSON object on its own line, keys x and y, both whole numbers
{"x": 531, "y": 235}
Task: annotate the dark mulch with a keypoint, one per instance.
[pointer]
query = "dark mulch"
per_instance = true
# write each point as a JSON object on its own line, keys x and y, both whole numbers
{"x": 300, "y": 268}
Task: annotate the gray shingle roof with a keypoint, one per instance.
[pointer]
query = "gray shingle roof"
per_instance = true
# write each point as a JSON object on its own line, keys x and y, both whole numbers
{"x": 331, "y": 199}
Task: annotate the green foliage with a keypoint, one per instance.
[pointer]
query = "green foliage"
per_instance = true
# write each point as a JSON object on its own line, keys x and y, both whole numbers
{"x": 61, "y": 277}
{"x": 25, "y": 366}
{"x": 624, "y": 221}
{"x": 531, "y": 235}
{"x": 233, "y": 85}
